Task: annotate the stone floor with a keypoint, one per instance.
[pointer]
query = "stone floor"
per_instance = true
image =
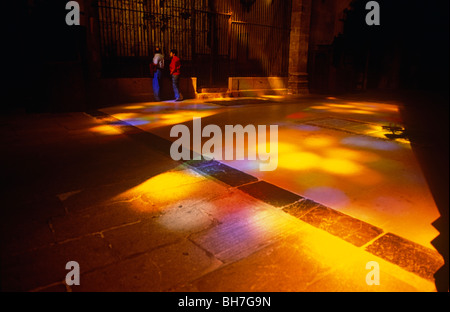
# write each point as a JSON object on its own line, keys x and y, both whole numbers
{"x": 100, "y": 188}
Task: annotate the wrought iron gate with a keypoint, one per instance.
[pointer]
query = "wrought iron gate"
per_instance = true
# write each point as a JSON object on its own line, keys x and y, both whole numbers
{"x": 215, "y": 39}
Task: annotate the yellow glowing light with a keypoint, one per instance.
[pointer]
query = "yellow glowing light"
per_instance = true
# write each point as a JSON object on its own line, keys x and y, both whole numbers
{"x": 340, "y": 166}
{"x": 312, "y": 179}
{"x": 390, "y": 108}
{"x": 374, "y": 128}
{"x": 337, "y": 110}
{"x": 381, "y": 134}
{"x": 164, "y": 181}
{"x": 317, "y": 141}
{"x": 273, "y": 96}
{"x": 162, "y": 190}
{"x": 134, "y": 107}
{"x": 123, "y": 116}
{"x": 285, "y": 148}
{"x": 341, "y": 105}
{"x": 330, "y": 251}
{"x": 106, "y": 130}
{"x": 169, "y": 116}
{"x": 375, "y": 106}
{"x": 180, "y": 117}
{"x": 221, "y": 98}
{"x": 360, "y": 111}
{"x": 320, "y": 107}
{"x": 298, "y": 161}
{"x": 404, "y": 141}
{"x": 362, "y": 108}
{"x": 147, "y": 104}
{"x": 344, "y": 153}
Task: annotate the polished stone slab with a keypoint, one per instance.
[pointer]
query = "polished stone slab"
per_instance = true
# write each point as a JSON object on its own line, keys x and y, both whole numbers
{"x": 270, "y": 193}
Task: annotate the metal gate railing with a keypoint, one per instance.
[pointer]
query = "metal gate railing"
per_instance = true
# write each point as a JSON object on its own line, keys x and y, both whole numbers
{"x": 215, "y": 39}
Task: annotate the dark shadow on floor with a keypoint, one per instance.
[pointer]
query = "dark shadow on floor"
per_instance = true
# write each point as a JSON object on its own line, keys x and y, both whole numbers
{"x": 43, "y": 163}
{"x": 426, "y": 119}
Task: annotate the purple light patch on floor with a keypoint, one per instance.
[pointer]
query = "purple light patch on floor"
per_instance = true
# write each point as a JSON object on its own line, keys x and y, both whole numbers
{"x": 366, "y": 142}
{"x": 328, "y": 195}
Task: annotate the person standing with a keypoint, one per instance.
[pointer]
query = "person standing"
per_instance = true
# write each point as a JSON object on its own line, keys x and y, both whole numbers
{"x": 174, "y": 67}
{"x": 158, "y": 64}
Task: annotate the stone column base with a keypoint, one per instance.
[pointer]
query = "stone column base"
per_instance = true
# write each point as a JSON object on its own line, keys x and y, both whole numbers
{"x": 298, "y": 83}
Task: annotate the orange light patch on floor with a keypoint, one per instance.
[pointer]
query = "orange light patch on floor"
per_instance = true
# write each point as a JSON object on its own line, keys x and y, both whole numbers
{"x": 298, "y": 161}
{"x": 134, "y": 107}
{"x": 124, "y": 116}
{"x": 341, "y": 166}
{"x": 106, "y": 130}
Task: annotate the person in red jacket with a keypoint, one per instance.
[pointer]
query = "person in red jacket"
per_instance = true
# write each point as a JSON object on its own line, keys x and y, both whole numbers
{"x": 174, "y": 67}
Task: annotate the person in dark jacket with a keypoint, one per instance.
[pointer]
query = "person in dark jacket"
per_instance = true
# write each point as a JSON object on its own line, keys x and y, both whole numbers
{"x": 158, "y": 65}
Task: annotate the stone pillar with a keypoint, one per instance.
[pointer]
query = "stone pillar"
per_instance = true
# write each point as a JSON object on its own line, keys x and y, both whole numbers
{"x": 90, "y": 19}
{"x": 298, "y": 48}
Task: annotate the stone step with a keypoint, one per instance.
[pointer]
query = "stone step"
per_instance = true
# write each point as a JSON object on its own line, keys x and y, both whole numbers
{"x": 213, "y": 90}
{"x": 212, "y": 95}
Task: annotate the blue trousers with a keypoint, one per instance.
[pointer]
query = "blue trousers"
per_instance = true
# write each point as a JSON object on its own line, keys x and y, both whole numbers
{"x": 176, "y": 86}
{"x": 157, "y": 77}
